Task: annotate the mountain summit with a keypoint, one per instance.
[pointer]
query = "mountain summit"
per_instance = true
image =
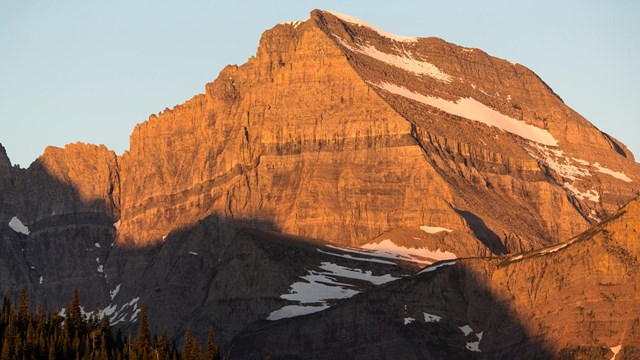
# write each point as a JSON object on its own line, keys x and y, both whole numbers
{"x": 336, "y": 142}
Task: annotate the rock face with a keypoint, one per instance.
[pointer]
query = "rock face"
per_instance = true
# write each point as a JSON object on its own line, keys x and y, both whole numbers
{"x": 509, "y": 307}
{"x": 335, "y": 131}
{"x": 326, "y": 133}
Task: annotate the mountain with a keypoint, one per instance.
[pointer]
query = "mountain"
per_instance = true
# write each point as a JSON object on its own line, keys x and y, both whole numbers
{"x": 578, "y": 299}
{"x": 396, "y": 152}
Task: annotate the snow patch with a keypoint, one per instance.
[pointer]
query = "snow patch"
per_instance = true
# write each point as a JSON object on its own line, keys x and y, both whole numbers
{"x": 472, "y": 345}
{"x": 193, "y": 253}
{"x": 109, "y": 310}
{"x": 475, "y": 345}
{"x": 466, "y": 330}
{"x": 566, "y": 167}
{"x": 295, "y": 24}
{"x": 404, "y": 61}
{"x": 96, "y": 245}
{"x": 436, "y": 266}
{"x": 357, "y": 274}
{"x": 100, "y": 268}
{"x": 474, "y": 110}
{"x": 122, "y": 314}
{"x": 295, "y": 310}
{"x": 431, "y": 318}
{"x": 591, "y": 194}
{"x": 18, "y": 226}
{"x": 616, "y": 174}
{"x": 375, "y": 253}
{"x": 434, "y": 229}
{"x": 347, "y": 256}
{"x": 558, "y": 162}
{"x": 615, "y": 350}
{"x": 419, "y": 255}
{"x": 115, "y": 291}
{"x": 318, "y": 287}
{"x": 408, "y": 320}
{"x": 41, "y": 279}
{"x": 356, "y": 21}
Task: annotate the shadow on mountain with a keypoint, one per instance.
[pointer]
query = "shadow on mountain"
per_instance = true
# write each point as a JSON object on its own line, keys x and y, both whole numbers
{"x": 490, "y": 239}
{"x": 448, "y": 313}
{"x": 229, "y": 273}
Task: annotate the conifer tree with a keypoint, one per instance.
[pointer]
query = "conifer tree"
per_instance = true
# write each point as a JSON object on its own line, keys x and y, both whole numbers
{"x": 75, "y": 315}
{"x": 213, "y": 352}
{"x": 144, "y": 338}
{"x": 24, "y": 314}
{"x": 163, "y": 345}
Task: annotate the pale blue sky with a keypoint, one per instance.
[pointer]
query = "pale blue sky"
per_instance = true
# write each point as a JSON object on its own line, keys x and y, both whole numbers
{"x": 90, "y": 70}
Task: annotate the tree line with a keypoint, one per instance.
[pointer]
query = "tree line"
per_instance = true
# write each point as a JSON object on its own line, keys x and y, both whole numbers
{"x": 40, "y": 335}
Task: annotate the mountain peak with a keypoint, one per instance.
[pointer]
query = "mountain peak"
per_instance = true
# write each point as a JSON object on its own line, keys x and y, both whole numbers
{"x": 344, "y": 18}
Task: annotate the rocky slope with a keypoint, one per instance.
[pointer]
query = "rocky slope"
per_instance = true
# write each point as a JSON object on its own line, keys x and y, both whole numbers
{"x": 334, "y": 131}
{"x": 522, "y": 306}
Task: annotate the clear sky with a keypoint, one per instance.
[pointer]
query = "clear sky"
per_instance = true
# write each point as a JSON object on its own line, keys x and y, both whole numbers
{"x": 90, "y": 70}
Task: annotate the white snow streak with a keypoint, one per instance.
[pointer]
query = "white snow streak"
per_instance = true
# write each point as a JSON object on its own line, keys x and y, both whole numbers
{"x": 566, "y": 167}
{"x": 466, "y": 330}
{"x": 405, "y": 61}
{"x": 295, "y": 310}
{"x": 420, "y": 255}
{"x": 318, "y": 287}
{"x": 616, "y": 350}
{"x": 615, "y": 174}
{"x": 121, "y": 315}
{"x": 472, "y": 109}
{"x": 475, "y": 345}
{"x": 431, "y": 318}
{"x": 356, "y": 21}
{"x": 436, "y": 266}
{"x": 472, "y": 345}
{"x": 347, "y": 256}
{"x": 295, "y": 24}
{"x": 18, "y": 226}
{"x": 408, "y": 320}
{"x": 344, "y": 272}
{"x": 590, "y": 194}
{"x": 115, "y": 291}
{"x": 434, "y": 229}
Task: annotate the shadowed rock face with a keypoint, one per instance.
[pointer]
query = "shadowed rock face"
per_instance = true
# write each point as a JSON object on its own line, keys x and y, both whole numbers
{"x": 522, "y": 306}
{"x": 336, "y": 132}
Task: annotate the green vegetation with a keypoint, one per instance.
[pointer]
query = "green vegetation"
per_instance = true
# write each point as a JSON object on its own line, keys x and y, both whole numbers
{"x": 27, "y": 335}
